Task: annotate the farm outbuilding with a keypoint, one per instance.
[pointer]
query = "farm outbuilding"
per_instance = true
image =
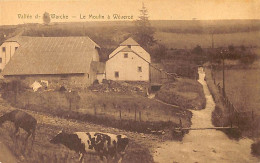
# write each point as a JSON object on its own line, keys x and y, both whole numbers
{"x": 59, "y": 60}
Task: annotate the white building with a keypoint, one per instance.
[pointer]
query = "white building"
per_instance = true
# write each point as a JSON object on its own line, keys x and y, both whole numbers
{"x": 129, "y": 62}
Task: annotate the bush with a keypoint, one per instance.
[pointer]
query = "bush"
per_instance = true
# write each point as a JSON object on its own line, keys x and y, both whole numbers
{"x": 255, "y": 148}
{"x": 197, "y": 50}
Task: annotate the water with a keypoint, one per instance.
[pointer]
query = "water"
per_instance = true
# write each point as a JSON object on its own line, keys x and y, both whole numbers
{"x": 205, "y": 145}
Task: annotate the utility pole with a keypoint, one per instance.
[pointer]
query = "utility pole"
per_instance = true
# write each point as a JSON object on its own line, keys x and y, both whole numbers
{"x": 223, "y": 68}
{"x": 212, "y": 40}
{"x": 224, "y": 94}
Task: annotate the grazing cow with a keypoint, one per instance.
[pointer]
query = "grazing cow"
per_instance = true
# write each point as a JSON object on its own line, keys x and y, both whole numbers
{"x": 96, "y": 143}
{"x": 21, "y": 120}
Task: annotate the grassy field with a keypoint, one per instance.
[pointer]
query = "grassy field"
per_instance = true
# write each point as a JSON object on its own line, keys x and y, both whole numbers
{"x": 184, "y": 92}
{"x": 126, "y": 110}
{"x": 242, "y": 90}
{"x": 242, "y": 87}
{"x": 189, "y": 41}
{"x": 107, "y": 105}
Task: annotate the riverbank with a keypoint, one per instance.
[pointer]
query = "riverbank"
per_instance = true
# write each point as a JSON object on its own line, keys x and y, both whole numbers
{"x": 220, "y": 116}
{"x": 230, "y": 110}
{"x": 205, "y": 145}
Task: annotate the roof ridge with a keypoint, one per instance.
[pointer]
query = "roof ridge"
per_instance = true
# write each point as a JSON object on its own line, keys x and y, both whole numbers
{"x": 129, "y": 41}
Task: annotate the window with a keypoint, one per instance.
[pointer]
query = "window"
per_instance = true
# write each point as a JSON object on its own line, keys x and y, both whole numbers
{"x": 3, "y": 49}
{"x": 126, "y": 55}
{"x": 139, "y": 69}
{"x": 129, "y": 46}
{"x": 0, "y": 60}
{"x": 16, "y": 48}
{"x": 116, "y": 74}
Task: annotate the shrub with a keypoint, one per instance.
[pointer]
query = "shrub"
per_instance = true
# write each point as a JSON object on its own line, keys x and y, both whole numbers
{"x": 255, "y": 148}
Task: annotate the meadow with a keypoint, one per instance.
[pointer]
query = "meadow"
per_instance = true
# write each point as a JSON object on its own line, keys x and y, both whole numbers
{"x": 191, "y": 40}
{"x": 242, "y": 88}
{"x": 127, "y": 111}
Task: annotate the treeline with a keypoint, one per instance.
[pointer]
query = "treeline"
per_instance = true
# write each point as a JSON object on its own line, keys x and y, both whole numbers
{"x": 245, "y": 55}
{"x": 4, "y": 32}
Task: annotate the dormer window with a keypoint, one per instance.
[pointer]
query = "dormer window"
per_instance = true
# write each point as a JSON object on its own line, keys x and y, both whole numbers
{"x": 129, "y": 46}
{"x": 125, "y": 55}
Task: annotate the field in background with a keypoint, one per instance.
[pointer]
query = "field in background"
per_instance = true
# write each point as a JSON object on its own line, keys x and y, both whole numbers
{"x": 189, "y": 41}
{"x": 173, "y": 33}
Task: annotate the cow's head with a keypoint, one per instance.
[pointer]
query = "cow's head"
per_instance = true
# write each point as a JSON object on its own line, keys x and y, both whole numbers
{"x": 58, "y": 138}
{"x": 122, "y": 143}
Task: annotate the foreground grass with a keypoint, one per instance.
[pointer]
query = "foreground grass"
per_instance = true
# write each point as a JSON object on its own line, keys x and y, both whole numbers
{"x": 43, "y": 151}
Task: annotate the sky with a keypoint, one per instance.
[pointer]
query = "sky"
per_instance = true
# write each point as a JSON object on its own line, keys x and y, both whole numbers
{"x": 105, "y": 10}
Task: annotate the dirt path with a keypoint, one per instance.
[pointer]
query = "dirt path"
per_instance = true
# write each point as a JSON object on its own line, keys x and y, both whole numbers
{"x": 205, "y": 145}
{"x": 6, "y": 155}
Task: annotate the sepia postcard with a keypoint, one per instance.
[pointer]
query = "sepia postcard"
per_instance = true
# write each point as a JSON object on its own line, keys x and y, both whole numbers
{"x": 131, "y": 81}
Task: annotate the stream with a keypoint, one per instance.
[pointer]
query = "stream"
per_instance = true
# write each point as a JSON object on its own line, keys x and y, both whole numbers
{"x": 204, "y": 145}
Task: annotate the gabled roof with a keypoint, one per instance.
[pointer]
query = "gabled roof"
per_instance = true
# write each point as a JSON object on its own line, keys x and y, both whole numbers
{"x": 52, "y": 55}
{"x": 129, "y": 41}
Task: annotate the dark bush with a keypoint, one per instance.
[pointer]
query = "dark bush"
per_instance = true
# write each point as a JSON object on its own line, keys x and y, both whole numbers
{"x": 255, "y": 148}
{"x": 197, "y": 50}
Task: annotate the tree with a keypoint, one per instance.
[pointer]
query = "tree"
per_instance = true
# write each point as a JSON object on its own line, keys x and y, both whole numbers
{"x": 197, "y": 50}
{"x": 158, "y": 52}
{"x": 231, "y": 48}
{"x": 46, "y": 18}
{"x": 144, "y": 31}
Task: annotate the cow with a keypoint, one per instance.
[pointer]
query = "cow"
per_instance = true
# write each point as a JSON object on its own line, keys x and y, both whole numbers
{"x": 94, "y": 143}
{"x": 22, "y": 120}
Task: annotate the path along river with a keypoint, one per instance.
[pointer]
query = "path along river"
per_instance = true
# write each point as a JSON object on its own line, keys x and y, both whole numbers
{"x": 205, "y": 145}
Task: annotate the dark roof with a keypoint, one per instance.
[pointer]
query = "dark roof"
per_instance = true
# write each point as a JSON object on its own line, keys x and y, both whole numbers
{"x": 52, "y": 55}
{"x": 129, "y": 41}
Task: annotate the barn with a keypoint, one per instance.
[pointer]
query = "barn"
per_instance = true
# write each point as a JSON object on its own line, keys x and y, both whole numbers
{"x": 128, "y": 62}
{"x": 58, "y": 60}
